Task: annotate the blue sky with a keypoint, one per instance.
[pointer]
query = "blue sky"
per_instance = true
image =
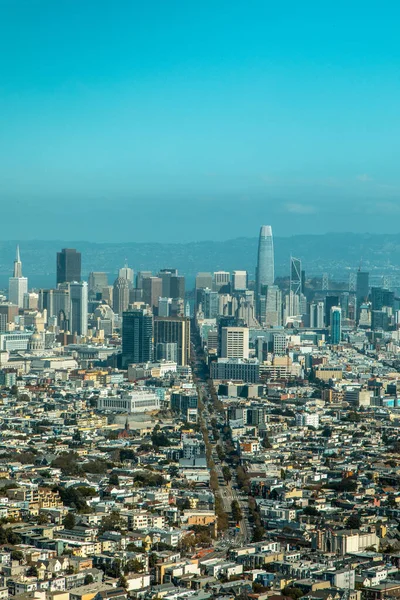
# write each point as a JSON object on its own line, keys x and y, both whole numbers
{"x": 137, "y": 121}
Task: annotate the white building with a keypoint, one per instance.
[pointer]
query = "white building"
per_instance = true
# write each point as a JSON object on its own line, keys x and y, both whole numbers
{"x": 239, "y": 280}
{"x": 307, "y": 420}
{"x": 235, "y": 342}
{"x": 136, "y": 401}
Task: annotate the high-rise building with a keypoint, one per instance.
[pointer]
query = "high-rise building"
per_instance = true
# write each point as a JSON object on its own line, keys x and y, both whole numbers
{"x": 174, "y": 330}
{"x": 128, "y": 274}
{"x": 60, "y": 303}
{"x": 265, "y": 261}
{"x": 336, "y": 325}
{"x": 317, "y": 315}
{"x": 273, "y": 308}
{"x": 152, "y": 290}
{"x": 98, "y": 280}
{"x": 17, "y": 284}
{"x": 165, "y": 276}
{"x": 235, "y": 342}
{"x": 204, "y": 280}
{"x": 221, "y": 279}
{"x": 79, "y": 307}
{"x": 295, "y": 276}
{"x": 239, "y": 281}
{"x": 164, "y": 307}
{"x": 68, "y": 265}
{"x": 177, "y": 286}
{"x": 140, "y": 276}
{"x": 210, "y": 303}
{"x": 120, "y": 295}
{"x": 8, "y": 312}
{"x": 362, "y": 287}
{"x": 330, "y": 301}
{"x": 137, "y": 337}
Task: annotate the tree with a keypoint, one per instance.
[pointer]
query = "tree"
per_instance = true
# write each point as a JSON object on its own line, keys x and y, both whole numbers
{"x": 17, "y": 555}
{"x": 236, "y": 512}
{"x": 226, "y": 473}
{"x": 353, "y": 522}
{"x": 69, "y": 521}
{"x": 265, "y": 443}
{"x": 122, "y": 582}
{"x": 293, "y": 592}
{"x": 114, "y": 479}
{"x": 88, "y": 579}
{"x": 134, "y": 566}
{"x": 32, "y": 571}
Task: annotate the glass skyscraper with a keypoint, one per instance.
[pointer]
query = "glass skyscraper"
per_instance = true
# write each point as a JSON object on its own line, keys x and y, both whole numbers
{"x": 265, "y": 263}
{"x": 336, "y": 325}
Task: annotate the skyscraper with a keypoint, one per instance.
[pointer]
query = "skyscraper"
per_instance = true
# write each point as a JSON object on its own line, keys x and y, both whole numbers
{"x": 295, "y": 276}
{"x": 177, "y": 286}
{"x": 273, "y": 308}
{"x": 79, "y": 307}
{"x": 137, "y": 337}
{"x": 98, "y": 280}
{"x": 265, "y": 262}
{"x": 362, "y": 287}
{"x": 174, "y": 330}
{"x": 68, "y": 265}
{"x": 336, "y": 325}
{"x": 17, "y": 284}
{"x": 128, "y": 274}
{"x": 152, "y": 290}
{"x": 120, "y": 295}
{"x": 235, "y": 342}
{"x": 239, "y": 281}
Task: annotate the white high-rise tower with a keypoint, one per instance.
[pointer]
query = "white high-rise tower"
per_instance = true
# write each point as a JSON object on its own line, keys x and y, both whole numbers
{"x": 17, "y": 284}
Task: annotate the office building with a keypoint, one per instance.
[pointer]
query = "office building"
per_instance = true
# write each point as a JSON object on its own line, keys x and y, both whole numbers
{"x": 236, "y": 369}
{"x": 177, "y": 286}
{"x": 235, "y": 342}
{"x": 221, "y": 281}
{"x": 210, "y": 303}
{"x": 174, "y": 330}
{"x": 120, "y": 295}
{"x": 127, "y": 273}
{"x": 164, "y": 307}
{"x": 140, "y": 276}
{"x": 317, "y": 315}
{"x": 204, "y": 280}
{"x": 295, "y": 276}
{"x": 273, "y": 307}
{"x": 79, "y": 307}
{"x": 265, "y": 261}
{"x": 98, "y": 280}
{"x": 381, "y": 297}
{"x": 166, "y": 351}
{"x": 68, "y": 266}
{"x": 61, "y": 305}
{"x": 8, "y": 312}
{"x": 17, "y": 284}
{"x": 239, "y": 281}
{"x": 165, "y": 275}
{"x": 362, "y": 287}
{"x": 152, "y": 290}
{"x": 330, "y": 301}
{"x": 336, "y": 325}
{"x": 137, "y": 337}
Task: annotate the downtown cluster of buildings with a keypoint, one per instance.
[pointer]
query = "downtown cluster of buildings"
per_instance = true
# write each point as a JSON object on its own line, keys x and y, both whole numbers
{"x": 238, "y": 440}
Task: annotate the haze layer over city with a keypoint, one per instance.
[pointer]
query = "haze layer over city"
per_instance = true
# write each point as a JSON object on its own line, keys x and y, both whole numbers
{"x": 199, "y": 301}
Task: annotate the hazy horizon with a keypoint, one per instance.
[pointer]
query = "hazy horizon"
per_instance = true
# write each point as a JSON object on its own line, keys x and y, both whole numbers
{"x": 188, "y": 122}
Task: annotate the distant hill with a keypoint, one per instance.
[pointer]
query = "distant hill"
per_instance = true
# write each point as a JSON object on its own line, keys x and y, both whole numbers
{"x": 334, "y": 253}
